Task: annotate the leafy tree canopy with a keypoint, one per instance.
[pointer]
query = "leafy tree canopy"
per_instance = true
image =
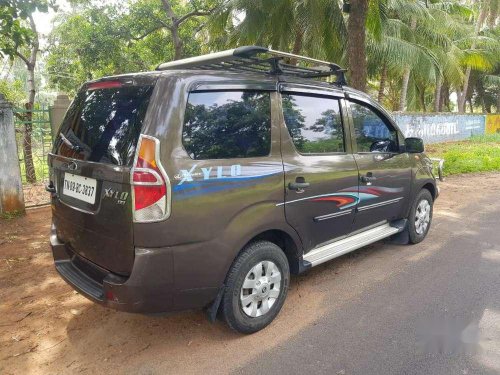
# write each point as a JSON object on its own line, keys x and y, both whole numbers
{"x": 14, "y": 33}
{"x": 93, "y": 41}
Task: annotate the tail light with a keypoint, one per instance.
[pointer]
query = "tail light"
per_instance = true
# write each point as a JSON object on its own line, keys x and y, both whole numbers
{"x": 150, "y": 184}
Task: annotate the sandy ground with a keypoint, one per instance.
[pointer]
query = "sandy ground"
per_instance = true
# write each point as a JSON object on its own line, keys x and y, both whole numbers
{"x": 47, "y": 328}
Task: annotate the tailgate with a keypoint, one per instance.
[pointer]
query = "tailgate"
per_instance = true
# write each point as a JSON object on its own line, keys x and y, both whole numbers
{"x": 98, "y": 225}
{"x": 90, "y": 170}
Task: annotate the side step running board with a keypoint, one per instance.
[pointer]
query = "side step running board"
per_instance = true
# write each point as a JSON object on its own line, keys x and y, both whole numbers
{"x": 351, "y": 243}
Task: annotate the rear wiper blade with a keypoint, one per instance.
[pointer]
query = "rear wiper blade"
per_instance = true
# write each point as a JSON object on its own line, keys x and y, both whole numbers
{"x": 68, "y": 143}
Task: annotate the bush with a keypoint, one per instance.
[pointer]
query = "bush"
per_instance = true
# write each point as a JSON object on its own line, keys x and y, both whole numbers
{"x": 478, "y": 154}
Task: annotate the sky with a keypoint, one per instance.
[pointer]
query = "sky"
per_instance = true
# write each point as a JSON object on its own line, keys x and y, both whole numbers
{"x": 43, "y": 21}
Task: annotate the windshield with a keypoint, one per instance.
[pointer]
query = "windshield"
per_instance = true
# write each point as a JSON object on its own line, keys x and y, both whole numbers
{"x": 103, "y": 125}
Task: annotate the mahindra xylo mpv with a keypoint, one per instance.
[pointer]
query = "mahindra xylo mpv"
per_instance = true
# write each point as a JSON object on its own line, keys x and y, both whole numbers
{"x": 208, "y": 181}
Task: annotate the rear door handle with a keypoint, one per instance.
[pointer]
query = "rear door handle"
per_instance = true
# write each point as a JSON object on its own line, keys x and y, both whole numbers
{"x": 368, "y": 178}
{"x": 299, "y": 185}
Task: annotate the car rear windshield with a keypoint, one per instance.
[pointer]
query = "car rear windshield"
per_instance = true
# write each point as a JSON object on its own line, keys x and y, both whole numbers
{"x": 103, "y": 124}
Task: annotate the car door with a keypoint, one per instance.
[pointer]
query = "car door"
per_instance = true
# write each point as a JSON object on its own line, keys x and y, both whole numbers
{"x": 321, "y": 177}
{"x": 384, "y": 171}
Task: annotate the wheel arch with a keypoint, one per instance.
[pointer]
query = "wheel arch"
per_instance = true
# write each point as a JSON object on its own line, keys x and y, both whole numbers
{"x": 431, "y": 187}
{"x": 285, "y": 242}
{"x": 289, "y": 243}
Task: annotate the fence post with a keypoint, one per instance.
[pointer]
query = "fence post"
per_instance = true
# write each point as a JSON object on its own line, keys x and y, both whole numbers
{"x": 57, "y": 112}
{"x": 11, "y": 187}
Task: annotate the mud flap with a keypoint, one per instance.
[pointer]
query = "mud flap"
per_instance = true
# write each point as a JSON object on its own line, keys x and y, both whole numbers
{"x": 214, "y": 307}
{"x": 401, "y": 238}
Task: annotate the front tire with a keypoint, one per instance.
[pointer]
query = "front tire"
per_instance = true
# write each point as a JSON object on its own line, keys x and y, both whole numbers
{"x": 420, "y": 217}
{"x": 256, "y": 287}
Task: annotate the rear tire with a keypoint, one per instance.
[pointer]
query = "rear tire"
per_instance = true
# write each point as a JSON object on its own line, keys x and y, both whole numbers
{"x": 256, "y": 287}
{"x": 419, "y": 221}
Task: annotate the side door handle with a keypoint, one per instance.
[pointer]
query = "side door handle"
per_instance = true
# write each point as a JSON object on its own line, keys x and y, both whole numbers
{"x": 369, "y": 178}
{"x": 299, "y": 185}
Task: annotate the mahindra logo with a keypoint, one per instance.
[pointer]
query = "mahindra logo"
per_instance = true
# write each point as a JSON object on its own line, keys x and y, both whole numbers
{"x": 72, "y": 166}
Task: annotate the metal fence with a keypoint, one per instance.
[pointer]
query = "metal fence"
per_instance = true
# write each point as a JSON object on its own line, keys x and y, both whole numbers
{"x": 34, "y": 142}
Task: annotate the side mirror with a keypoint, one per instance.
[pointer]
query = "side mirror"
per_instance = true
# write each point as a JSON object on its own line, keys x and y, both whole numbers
{"x": 383, "y": 146}
{"x": 414, "y": 145}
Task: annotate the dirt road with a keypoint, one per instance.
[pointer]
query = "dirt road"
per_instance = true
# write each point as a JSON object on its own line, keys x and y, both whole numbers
{"x": 334, "y": 317}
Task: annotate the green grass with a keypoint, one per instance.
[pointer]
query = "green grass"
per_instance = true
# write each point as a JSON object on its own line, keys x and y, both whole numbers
{"x": 11, "y": 215}
{"x": 477, "y": 154}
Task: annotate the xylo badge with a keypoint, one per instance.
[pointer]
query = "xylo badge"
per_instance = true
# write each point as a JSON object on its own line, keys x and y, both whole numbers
{"x": 119, "y": 196}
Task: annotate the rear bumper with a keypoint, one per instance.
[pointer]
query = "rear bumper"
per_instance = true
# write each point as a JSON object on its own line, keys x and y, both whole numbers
{"x": 148, "y": 289}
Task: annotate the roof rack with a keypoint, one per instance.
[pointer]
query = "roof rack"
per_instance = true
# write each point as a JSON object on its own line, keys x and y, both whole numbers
{"x": 260, "y": 60}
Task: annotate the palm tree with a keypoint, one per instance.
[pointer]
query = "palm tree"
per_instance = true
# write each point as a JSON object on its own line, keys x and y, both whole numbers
{"x": 315, "y": 27}
{"x": 462, "y": 92}
{"x": 399, "y": 52}
{"x": 356, "y": 44}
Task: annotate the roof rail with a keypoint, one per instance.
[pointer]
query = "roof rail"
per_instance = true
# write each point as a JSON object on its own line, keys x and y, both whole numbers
{"x": 260, "y": 60}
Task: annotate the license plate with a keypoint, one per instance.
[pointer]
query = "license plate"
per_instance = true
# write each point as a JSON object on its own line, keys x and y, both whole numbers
{"x": 81, "y": 188}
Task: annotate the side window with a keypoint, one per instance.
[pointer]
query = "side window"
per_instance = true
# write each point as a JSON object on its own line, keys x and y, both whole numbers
{"x": 372, "y": 133}
{"x": 314, "y": 123}
{"x": 227, "y": 124}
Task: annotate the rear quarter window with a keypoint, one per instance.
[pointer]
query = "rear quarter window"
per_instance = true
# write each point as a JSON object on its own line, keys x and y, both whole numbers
{"x": 104, "y": 124}
{"x": 227, "y": 124}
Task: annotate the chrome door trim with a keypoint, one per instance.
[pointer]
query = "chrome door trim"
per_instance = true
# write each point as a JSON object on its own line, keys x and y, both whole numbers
{"x": 380, "y": 204}
{"x": 331, "y": 216}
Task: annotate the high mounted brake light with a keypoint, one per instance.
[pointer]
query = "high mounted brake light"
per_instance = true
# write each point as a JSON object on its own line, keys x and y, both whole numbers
{"x": 150, "y": 184}
{"x": 104, "y": 85}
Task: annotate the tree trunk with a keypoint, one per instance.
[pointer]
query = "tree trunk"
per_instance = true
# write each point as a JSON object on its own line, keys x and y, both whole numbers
{"x": 493, "y": 13}
{"x": 297, "y": 45}
{"x": 462, "y": 98}
{"x": 404, "y": 89}
{"x": 174, "y": 29}
{"x": 383, "y": 80}
{"x": 482, "y": 94}
{"x": 356, "y": 43}
{"x": 441, "y": 99}
{"x": 28, "y": 129}
{"x": 437, "y": 94}
{"x": 446, "y": 98}
{"x": 421, "y": 97}
{"x": 28, "y": 118}
{"x": 406, "y": 75}
{"x": 462, "y": 94}
{"x": 178, "y": 45}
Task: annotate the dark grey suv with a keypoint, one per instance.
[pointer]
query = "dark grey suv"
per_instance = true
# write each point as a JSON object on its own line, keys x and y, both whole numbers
{"x": 208, "y": 181}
